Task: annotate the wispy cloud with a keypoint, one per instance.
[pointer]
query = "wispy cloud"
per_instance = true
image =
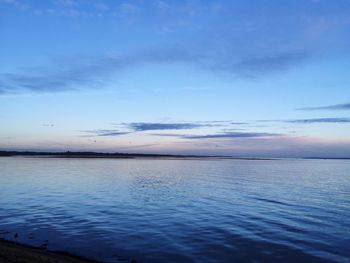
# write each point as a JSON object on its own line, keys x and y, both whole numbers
{"x": 239, "y": 123}
{"x": 232, "y": 135}
{"x": 247, "y": 47}
{"x": 345, "y": 106}
{"x": 128, "y": 9}
{"x": 134, "y": 127}
{"x": 100, "y": 6}
{"x": 221, "y": 135}
{"x": 127, "y": 128}
{"x": 67, "y": 2}
{"x": 86, "y": 72}
{"x": 146, "y": 126}
{"x": 105, "y": 133}
{"x": 16, "y": 3}
{"x": 74, "y": 73}
{"x": 254, "y": 66}
{"x": 320, "y": 120}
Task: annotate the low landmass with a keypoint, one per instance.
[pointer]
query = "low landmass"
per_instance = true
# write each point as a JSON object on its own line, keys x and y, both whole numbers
{"x": 69, "y": 154}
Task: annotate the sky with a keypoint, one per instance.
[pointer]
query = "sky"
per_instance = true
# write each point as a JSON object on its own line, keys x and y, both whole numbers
{"x": 263, "y": 78}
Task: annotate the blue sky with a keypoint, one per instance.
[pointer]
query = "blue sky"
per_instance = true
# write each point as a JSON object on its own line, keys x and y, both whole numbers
{"x": 242, "y": 78}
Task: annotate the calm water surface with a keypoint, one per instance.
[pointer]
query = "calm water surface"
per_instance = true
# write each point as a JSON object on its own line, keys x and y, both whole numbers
{"x": 179, "y": 210}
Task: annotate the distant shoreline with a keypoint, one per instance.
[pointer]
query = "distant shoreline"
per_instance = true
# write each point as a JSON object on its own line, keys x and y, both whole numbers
{"x": 70, "y": 154}
{"x": 117, "y": 155}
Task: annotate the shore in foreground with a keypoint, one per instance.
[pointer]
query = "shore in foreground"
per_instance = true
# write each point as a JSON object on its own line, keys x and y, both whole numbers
{"x": 11, "y": 252}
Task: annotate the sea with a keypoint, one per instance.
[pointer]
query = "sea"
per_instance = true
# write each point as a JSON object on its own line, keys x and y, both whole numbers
{"x": 179, "y": 210}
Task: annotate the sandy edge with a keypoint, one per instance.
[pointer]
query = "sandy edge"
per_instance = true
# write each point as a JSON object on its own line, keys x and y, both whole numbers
{"x": 11, "y": 252}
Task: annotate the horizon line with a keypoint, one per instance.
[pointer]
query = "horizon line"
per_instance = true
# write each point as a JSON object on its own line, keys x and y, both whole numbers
{"x": 93, "y": 154}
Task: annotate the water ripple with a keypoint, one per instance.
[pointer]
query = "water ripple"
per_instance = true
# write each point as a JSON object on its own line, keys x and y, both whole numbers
{"x": 179, "y": 211}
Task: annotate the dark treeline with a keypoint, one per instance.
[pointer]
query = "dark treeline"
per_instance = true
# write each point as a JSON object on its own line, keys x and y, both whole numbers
{"x": 69, "y": 154}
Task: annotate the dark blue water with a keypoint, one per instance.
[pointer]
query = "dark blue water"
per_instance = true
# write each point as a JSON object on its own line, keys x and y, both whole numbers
{"x": 179, "y": 210}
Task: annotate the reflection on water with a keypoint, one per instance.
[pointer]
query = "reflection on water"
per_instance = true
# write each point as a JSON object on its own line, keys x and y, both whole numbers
{"x": 179, "y": 210}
